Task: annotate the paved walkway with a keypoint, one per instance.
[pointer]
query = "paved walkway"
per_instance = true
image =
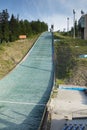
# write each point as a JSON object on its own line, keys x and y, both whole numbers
{"x": 24, "y": 92}
{"x": 67, "y": 105}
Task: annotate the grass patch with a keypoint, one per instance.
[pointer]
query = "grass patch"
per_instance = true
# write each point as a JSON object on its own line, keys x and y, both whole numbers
{"x": 59, "y": 81}
{"x": 54, "y": 91}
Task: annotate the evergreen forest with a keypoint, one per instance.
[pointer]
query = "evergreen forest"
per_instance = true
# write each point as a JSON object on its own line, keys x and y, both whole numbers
{"x": 11, "y": 27}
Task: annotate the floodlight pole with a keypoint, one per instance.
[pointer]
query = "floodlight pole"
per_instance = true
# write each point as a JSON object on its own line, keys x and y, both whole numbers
{"x": 74, "y": 23}
{"x": 67, "y": 24}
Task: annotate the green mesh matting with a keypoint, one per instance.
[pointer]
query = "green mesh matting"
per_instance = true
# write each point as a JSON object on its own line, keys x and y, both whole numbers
{"x": 24, "y": 92}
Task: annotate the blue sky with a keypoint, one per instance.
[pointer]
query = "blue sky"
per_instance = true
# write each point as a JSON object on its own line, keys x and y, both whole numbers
{"x": 50, "y": 11}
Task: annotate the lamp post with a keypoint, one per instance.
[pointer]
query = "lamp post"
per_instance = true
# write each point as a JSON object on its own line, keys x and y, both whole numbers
{"x": 67, "y": 24}
{"x": 74, "y": 23}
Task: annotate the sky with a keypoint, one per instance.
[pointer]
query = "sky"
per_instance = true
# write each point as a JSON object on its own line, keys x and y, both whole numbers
{"x": 53, "y": 12}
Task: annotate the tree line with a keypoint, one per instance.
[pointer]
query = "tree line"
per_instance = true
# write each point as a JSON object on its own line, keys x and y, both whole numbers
{"x": 12, "y": 27}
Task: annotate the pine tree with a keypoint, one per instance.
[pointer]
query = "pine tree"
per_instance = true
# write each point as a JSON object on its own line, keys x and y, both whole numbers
{"x": 28, "y": 29}
{"x": 4, "y": 24}
{"x": 14, "y": 28}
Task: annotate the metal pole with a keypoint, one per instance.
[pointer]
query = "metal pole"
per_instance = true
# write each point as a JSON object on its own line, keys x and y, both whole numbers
{"x": 67, "y": 24}
{"x": 74, "y": 23}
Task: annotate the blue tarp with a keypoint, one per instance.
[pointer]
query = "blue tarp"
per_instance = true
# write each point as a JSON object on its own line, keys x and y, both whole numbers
{"x": 83, "y": 56}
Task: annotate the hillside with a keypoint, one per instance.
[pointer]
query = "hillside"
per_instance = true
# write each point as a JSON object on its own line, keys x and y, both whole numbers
{"x": 12, "y": 53}
{"x": 70, "y": 68}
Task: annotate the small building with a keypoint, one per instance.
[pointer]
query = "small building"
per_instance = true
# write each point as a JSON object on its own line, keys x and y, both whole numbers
{"x": 83, "y": 26}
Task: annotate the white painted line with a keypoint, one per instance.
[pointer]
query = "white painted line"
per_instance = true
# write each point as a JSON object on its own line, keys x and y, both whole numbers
{"x": 24, "y": 103}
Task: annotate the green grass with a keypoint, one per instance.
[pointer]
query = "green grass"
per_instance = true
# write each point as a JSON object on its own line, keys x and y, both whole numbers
{"x": 67, "y": 52}
{"x": 59, "y": 81}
